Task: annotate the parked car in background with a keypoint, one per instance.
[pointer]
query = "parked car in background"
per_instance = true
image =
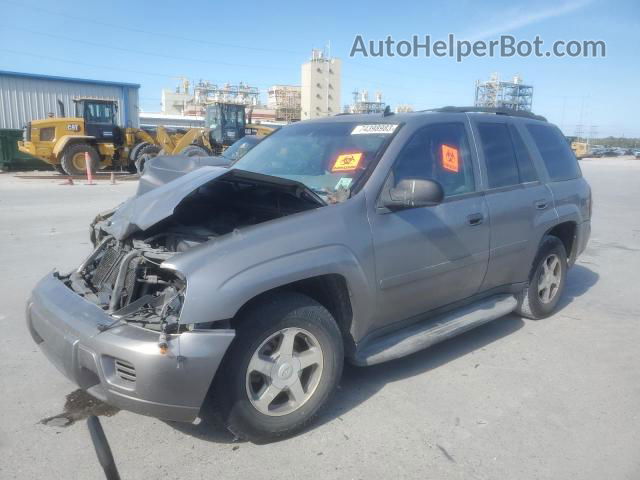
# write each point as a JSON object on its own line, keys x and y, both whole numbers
{"x": 358, "y": 237}
{"x": 162, "y": 169}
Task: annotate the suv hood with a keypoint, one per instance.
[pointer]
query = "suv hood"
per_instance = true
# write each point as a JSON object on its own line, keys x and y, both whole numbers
{"x": 147, "y": 209}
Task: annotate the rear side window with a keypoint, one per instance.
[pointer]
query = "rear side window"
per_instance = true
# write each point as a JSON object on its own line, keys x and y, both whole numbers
{"x": 438, "y": 152}
{"x": 525, "y": 163}
{"x": 499, "y": 156}
{"x": 560, "y": 161}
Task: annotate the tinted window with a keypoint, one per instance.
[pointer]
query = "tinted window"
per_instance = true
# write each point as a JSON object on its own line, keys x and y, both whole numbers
{"x": 441, "y": 153}
{"x": 502, "y": 168}
{"x": 560, "y": 161}
{"x": 525, "y": 163}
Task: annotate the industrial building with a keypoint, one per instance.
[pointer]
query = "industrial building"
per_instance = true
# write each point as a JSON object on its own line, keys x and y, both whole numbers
{"x": 362, "y": 103}
{"x": 185, "y": 100}
{"x": 25, "y": 97}
{"x": 320, "y": 92}
{"x": 499, "y": 94}
{"x": 285, "y": 101}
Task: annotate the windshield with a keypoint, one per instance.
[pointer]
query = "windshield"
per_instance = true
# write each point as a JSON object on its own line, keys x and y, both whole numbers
{"x": 326, "y": 157}
{"x": 240, "y": 148}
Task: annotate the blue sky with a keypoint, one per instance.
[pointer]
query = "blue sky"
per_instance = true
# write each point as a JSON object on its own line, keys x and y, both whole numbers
{"x": 263, "y": 43}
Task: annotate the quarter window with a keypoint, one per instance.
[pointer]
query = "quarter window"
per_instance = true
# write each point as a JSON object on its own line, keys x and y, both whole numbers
{"x": 499, "y": 156}
{"x": 438, "y": 152}
{"x": 560, "y": 161}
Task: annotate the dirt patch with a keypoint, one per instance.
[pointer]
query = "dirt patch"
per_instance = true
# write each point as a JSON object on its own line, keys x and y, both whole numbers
{"x": 78, "y": 406}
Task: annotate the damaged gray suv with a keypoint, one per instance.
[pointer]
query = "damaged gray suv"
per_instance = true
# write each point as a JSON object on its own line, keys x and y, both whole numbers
{"x": 358, "y": 237}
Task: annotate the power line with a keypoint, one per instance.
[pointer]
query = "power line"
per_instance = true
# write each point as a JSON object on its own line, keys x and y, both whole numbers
{"x": 34, "y": 8}
{"x": 139, "y": 52}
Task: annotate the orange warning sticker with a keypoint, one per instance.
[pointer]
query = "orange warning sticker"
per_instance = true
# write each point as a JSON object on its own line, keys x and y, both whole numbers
{"x": 347, "y": 162}
{"x": 450, "y": 158}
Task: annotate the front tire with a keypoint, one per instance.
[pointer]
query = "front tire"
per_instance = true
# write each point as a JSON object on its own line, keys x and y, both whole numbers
{"x": 283, "y": 365}
{"x": 73, "y": 159}
{"x": 194, "y": 151}
{"x": 546, "y": 280}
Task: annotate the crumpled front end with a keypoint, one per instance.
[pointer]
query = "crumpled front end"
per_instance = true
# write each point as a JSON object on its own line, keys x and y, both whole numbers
{"x": 121, "y": 363}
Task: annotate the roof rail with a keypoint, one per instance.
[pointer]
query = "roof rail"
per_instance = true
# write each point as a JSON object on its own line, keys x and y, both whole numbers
{"x": 497, "y": 111}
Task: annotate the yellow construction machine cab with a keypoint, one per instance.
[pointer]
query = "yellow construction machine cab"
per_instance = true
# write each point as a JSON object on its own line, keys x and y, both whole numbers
{"x": 99, "y": 119}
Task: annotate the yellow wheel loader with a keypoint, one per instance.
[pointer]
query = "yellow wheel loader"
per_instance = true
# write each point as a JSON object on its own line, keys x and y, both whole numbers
{"x": 64, "y": 141}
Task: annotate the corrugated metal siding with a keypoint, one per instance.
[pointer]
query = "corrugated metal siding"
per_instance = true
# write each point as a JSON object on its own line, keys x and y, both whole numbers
{"x": 23, "y": 99}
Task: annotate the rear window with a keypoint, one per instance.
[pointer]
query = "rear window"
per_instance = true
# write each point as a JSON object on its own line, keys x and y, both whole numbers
{"x": 560, "y": 161}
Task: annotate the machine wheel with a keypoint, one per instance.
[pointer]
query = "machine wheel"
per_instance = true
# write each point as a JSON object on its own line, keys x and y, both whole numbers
{"x": 134, "y": 153}
{"x": 546, "y": 281}
{"x": 194, "y": 151}
{"x": 145, "y": 153}
{"x": 283, "y": 365}
{"x": 73, "y": 162}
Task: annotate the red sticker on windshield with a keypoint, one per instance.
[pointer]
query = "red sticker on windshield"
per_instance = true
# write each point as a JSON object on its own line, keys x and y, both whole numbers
{"x": 450, "y": 158}
{"x": 347, "y": 162}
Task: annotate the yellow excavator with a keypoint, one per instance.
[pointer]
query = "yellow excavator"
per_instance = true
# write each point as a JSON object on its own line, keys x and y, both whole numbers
{"x": 93, "y": 133}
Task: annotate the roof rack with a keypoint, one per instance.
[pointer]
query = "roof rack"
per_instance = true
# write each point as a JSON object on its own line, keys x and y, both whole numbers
{"x": 497, "y": 111}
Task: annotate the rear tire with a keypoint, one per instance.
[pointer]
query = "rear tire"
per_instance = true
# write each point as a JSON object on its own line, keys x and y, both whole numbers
{"x": 294, "y": 392}
{"x": 546, "y": 280}
{"x": 73, "y": 159}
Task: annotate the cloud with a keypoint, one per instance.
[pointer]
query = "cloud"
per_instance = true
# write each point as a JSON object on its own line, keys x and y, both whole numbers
{"x": 521, "y": 18}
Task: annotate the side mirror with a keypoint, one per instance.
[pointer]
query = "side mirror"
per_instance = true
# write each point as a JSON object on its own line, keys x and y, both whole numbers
{"x": 413, "y": 193}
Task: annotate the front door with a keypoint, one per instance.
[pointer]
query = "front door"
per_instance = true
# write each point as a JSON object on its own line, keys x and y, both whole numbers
{"x": 429, "y": 257}
{"x": 99, "y": 119}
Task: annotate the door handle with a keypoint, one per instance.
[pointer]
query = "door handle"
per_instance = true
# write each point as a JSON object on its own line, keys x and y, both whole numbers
{"x": 475, "y": 219}
{"x": 541, "y": 204}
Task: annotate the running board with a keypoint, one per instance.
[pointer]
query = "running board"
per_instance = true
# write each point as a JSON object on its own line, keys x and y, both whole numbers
{"x": 422, "y": 335}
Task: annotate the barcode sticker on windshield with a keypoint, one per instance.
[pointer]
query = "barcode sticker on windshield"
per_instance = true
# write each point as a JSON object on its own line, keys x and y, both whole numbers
{"x": 379, "y": 128}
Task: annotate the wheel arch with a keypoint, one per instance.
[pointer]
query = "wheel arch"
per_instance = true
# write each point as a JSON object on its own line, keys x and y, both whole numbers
{"x": 566, "y": 233}
{"x": 69, "y": 140}
{"x": 329, "y": 290}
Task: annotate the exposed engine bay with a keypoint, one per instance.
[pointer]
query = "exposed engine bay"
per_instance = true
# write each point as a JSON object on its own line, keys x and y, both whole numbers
{"x": 126, "y": 277}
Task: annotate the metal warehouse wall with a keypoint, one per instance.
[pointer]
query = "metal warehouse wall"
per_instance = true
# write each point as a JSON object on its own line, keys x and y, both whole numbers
{"x": 25, "y": 97}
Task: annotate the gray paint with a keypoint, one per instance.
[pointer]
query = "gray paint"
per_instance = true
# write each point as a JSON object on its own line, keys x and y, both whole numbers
{"x": 170, "y": 386}
{"x": 27, "y": 97}
{"x": 399, "y": 266}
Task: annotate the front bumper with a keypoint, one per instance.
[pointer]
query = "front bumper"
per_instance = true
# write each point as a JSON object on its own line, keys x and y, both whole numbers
{"x": 123, "y": 366}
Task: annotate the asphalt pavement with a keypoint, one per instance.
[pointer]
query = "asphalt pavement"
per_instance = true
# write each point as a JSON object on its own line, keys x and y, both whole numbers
{"x": 514, "y": 399}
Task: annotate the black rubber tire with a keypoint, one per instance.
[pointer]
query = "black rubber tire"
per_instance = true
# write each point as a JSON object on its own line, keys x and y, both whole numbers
{"x": 529, "y": 303}
{"x": 286, "y": 309}
{"x": 58, "y": 168}
{"x": 76, "y": 149}
{"x": 144, "y": 154}
{"x": 134, "y": 153}
{"x": 194, "y": 151}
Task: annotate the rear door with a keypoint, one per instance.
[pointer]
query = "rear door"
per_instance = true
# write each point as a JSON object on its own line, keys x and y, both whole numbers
{"x": 431, "y": 256}
{"x": 520, "y": 205}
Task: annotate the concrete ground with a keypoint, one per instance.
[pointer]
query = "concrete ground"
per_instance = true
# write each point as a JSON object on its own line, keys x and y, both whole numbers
{"x": 514, "y": 399}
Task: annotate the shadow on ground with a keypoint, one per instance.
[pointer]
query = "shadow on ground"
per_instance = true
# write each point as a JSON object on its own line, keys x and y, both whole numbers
{"x": 358, "y": 384}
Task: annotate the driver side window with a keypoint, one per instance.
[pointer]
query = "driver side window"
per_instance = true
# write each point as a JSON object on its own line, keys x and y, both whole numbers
{"x": 438, "y": 152}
